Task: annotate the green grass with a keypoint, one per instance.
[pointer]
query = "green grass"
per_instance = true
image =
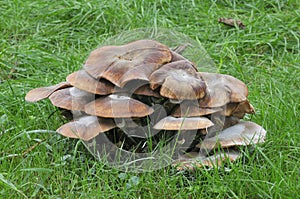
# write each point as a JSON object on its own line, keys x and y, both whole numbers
{"x": 43, "y": 41}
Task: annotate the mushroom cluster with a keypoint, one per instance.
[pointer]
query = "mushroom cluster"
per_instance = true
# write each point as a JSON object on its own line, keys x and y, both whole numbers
{"x": 145, "y": 91}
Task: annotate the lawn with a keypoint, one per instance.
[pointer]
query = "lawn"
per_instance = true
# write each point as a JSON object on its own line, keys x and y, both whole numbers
{"x": 43, "y": 41}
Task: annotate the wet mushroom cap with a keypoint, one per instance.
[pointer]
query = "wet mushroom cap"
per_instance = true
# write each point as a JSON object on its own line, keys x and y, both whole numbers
{"x": 178, "y": 80}
{"x": 82, "y": 80}
{"x": 114, "y": 62}
{"x": 190, "y": 123}
{"x": 86, "y": 127}
{"x": 118, "y": 106}
{"x": 38, "y": 94}
{"x": 241, "y": 134}
{"x": 222, "y": 89}
{"x": 71, "y": 98}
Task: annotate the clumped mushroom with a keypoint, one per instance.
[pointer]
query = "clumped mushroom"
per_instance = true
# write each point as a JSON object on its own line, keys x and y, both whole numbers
{"x": 134, "y": 96}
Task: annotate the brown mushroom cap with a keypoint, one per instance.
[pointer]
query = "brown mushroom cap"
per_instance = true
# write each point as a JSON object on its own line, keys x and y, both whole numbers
{"x": 198, "y": 160}
{"x": 82, "y": 80}
{"x": 71, "y": 98}
{"x": 86, "y": 127}
{"x": 238, "y": 109}
{"x": 120, "y": 64}
{"x": 145, "y": 90}
{"x": 138, "y": 88}
{"x": 190, "y": 109}
{"x": 222, "y": 89}
{"x": 178, "y": 80}
{"x": 241, "y": 134}
{"x": 190, "y": 123}
{"x": 44, "y": 92}
{"x": 118, "y": 106}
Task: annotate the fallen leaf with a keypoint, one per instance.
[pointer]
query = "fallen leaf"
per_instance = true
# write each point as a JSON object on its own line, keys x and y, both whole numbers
{"x": 232, "y": 22}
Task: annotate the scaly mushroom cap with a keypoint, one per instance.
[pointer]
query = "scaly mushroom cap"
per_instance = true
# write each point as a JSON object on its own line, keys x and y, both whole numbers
{"x": 191, "y": 109}
{"x": 86, "y": 127}
{"x": 38, "y": 94}
{"x": 71, "y": 98}
{"x": 189, "y": 123}
{"x": 178, "y": 80}
{"x": 120, "y": 64}
{"x": 118, "y": 106}
{"x": 82, "y": 80}
{"x": 241, "y": 134}
{"x": 222, "y": 89}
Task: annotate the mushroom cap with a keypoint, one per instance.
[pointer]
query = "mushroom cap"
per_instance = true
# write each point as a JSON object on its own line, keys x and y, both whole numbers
{"x": 147, "y": 91}
{"x": 118, "y": 106}
{"x": 178, "y": 80}
{"x": 238, "y": 109}
{"x": 71, "y": 98}
{"x": 82, "y": 80}
{"x": 241, "y": 134}
{"x": 86, "y": 127}
{"x": 138, "y": 88}
{"x": 44, "y": 92}
{"x": 191, "y": 161}
{"x": 189, "y": 123}
{"x": 120, "y": 64}
{"x": 222, "y": 89}
{"x": 191, "y": 109}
